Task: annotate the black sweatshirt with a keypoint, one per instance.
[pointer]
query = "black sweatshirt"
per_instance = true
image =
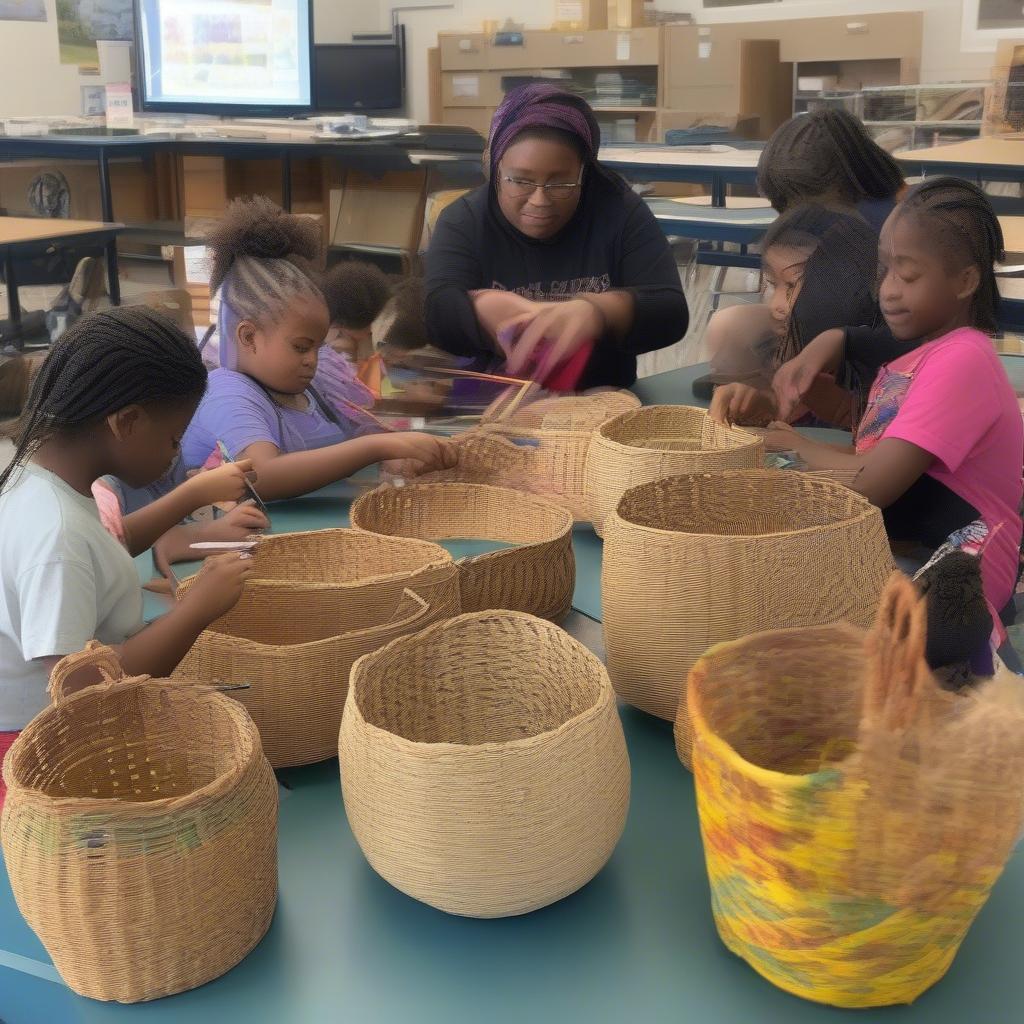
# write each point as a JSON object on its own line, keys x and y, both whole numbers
{"x": 612, "y": 242}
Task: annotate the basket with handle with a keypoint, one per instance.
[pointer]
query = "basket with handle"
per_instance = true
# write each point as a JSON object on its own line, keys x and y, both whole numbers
{"x": 554, "y": 435}
{"x": 694, "y": 560}
{"x": 536, "y": 575}
{"x": 140, "y": 831}
{"x": 854, "y": 815}
{"x": 294, "y": 657}
{"x": 657, "y": 441}
{"x": 483, "y": 765}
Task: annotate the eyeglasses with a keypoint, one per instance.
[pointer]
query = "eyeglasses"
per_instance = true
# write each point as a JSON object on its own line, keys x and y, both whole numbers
{"x": 521, "y": 188}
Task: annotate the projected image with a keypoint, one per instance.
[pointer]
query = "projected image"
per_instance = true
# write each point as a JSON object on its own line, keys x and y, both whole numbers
{"x": 226, "y": 52}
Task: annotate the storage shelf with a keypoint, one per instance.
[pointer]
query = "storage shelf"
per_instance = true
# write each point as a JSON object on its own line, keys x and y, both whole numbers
{"x": 923, "y": 124}
{"x": 624, "y": 110}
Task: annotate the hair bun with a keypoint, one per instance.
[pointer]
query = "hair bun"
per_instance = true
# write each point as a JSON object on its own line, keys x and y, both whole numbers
{"x": 258, "y": 228}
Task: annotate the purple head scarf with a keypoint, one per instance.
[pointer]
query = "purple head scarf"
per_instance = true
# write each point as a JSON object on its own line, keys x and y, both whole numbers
{"x": 539, "y": 105}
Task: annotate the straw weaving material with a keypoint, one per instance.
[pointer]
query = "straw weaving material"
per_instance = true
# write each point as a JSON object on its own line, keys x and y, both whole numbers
{"x": 657, "y": 441}
{"x": 691, "y": 561}
{"x": 483, "y": 765}
{"x": 538, "y": 575}
{"x": 140, "y": 832}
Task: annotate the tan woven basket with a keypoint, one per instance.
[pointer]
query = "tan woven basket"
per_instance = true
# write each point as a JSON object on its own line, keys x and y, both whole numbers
{"x": 657, "y": 441}
{"x": 483, "y": 764}
{"x": 538, "y": 575}
{"x": 296, "y": 657}
{"x": 691, "y": 561}
{"x": 558, "y": 431}
{"x": 140, "y": 832}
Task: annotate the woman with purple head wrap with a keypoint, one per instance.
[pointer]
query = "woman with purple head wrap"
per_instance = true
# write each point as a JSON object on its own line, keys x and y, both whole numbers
{"x": 554, "y": 265}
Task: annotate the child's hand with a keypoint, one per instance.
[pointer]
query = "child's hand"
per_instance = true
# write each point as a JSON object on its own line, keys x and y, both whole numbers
{"x": 238, "y": 524}
{"x": 409, "y": 455}
{"x": 225, "y": 483}
{"x": 793, "y": 380}
{"x": 740, "y": 403}
{"x": 781, "y": 437}
{"x": 219, "y": 586}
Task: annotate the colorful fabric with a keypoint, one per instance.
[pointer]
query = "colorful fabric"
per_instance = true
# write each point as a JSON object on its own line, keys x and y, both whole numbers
{"x": 951, "y": 397}
{"x": 539, "y": 105}
{"x": 109, "y": 506}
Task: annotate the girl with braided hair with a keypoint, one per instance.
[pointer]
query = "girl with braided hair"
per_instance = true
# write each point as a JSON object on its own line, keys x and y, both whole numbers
{"x": 940, "y": 445}
{"x": 114, "y": 396}
{"x": 262, "y": 402}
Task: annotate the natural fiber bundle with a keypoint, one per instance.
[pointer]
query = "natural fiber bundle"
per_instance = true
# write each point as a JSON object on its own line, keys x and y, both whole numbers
{"x": 140, "y": 832}
{"x": 296, "y": 660}
{"x": 538, "y": 575}
{"x": 555, "y": 433}
{"x": 483, "y": 764}
{"x": 657, "y": 441}
{"x": 691, "y": 561}
{"x": 854, "y": 815}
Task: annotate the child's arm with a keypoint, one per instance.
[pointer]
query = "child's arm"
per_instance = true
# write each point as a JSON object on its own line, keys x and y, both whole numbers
{"x": 884, "y": 473}
{"x": 225, "y": 483}
{"x": 238, "y": 524}
{"x": 287, "y": 475}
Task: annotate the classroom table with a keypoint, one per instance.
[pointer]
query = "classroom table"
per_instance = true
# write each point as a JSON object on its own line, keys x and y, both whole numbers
{"x": 22, "y": 235}
{"x": 989, "y": 159}
{"x": 637, "y": 943}
{"x": 715, "y": 166}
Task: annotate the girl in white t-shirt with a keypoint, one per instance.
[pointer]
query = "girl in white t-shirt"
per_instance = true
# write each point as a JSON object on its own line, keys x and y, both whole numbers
{"x": 114, "y": 396}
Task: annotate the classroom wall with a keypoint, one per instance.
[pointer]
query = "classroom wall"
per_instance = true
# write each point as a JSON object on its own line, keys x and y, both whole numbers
{"x": 33, "y": 80}
{"x": 941, "y": 59}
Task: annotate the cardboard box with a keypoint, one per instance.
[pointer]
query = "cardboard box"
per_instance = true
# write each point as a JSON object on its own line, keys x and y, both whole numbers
{"x": 471, "y": 88}
{"x": 477, "y": 118}
{"x": 384, "y": 211}
{"x": 462, "y": 50}
{"x": 625, "y": 13}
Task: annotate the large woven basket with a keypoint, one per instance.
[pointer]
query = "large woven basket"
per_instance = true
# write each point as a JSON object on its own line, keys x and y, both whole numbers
{"x": 854, "y": 816}
{"x": 140, "y": 832}
{"x": 483, "y": 765}
{"x": 296, "y": 657}
{"x": 537, "y": 575}
{"x": 556, "y": 432}
{"x": 657, "y": 441}
{"x": 691, "y": 561}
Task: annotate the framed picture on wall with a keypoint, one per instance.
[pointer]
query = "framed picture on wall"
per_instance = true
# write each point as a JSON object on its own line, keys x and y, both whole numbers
{"x": 987, "y": 22}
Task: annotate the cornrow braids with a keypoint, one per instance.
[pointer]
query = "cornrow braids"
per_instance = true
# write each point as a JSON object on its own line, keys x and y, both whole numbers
{"x": 825, "y": 152}
{"x": 959, "y": 217}
{"x": 105, "y": 361}
{"x": 355, "y": 292}
{"x": 261, "y": 259}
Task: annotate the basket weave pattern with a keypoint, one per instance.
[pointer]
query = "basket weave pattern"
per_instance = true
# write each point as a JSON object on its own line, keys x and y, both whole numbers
{"x": 538, "y": 575}
{"x": 483, "y": 764}
{"x": 854, "y": 816}
{"x": 140, "y": 834}
{"x": 691, "y": 561}
{"x": 658, "y": 441}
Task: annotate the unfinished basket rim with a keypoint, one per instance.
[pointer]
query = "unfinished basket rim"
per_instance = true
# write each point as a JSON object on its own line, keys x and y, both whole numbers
{"x": 247, "y": 739}
{"x": 603, "y": 697}
{"x": 524, "y": 418}
{"x": 606, "y": 431}
{"x": 791, "y": 478}
{"x": 839, "y": 631}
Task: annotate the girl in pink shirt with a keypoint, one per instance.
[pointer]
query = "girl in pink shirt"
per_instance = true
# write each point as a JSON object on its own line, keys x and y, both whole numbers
{"x": 940, "y": 446}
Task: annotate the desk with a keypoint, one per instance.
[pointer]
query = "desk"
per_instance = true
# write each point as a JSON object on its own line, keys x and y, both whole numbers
{"x": 636, "y": 944}
{"x": 25, "y": 234}
{"x": 976, "y": 159}
{"x": 715, "y": 166}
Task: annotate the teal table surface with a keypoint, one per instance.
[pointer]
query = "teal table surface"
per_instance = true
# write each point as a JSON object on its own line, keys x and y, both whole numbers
{"x": 638, "y": 943}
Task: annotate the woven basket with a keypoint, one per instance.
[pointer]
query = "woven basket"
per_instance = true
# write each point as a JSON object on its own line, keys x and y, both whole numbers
{"x": 483, "y": 764}
{"x": 690, "y": 561}
{"x": 658, "y": 441}
{"x": 296, "y": 658}
{"x": 140, "y": 832}
{"x": 557, "y": 432}
{"x": 538, "y": 575}
{"x": 854, "y": 816}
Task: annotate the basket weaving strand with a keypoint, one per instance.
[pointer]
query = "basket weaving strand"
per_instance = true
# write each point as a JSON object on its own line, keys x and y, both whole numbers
{"x": 854, "y": 815}
{"x": 140, "y": 832}
{"x": 658, "y": 441}
{"x": 694, "y": 560}
{"x": 537, "y": 575}
{"x": 483, "y": 765}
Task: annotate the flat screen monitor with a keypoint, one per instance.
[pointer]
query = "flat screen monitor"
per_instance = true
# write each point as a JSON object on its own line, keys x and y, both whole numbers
{"x": 225, "y": 56}
{"x": 358, "y": 76}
